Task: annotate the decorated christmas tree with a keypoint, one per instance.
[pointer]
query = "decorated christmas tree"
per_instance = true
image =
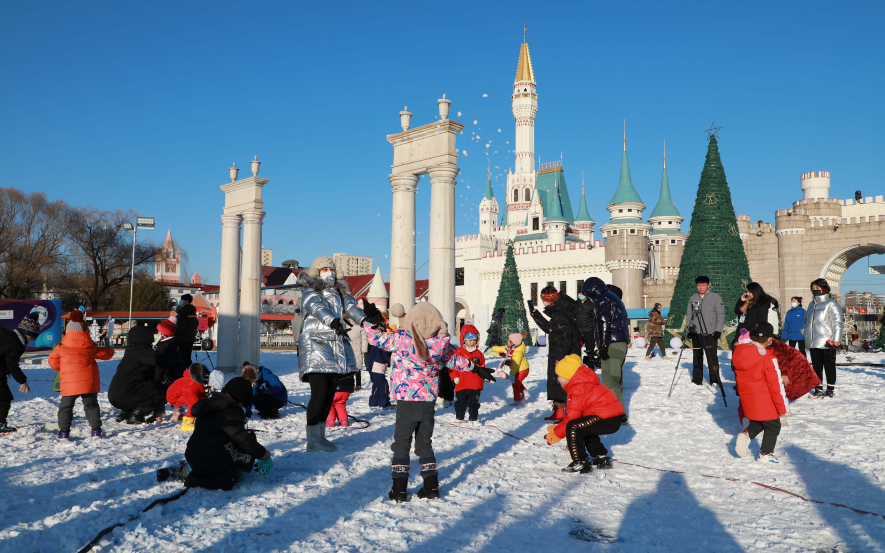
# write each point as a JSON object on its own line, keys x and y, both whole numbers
{"x": 713, "y": 248}
{"x": 510, "y": 298}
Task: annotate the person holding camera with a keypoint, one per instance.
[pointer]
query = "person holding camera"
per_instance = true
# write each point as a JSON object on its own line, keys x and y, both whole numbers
{"x": 705, "y": 317}
{"x": 822, "y": 333}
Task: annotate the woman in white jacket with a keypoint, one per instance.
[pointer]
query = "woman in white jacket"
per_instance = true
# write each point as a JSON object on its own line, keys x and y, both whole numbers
{"x": 822, "y": 333}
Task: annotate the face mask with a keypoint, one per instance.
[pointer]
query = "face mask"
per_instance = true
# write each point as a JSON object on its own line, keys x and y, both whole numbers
{"x": 582, "y": 297}
{"x": 795, "y": 304}
{"x": 547, "y": 304}
{"x": 817, "y": 293}
{"x": 328, "y": 277}
{"x": 180, "y": 302}
{"x": 470, "y": 348}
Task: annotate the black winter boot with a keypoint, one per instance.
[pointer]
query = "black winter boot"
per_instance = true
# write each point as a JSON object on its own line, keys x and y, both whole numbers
{"x": 178, "y": 472}
{"x": 398, "y": 492}
{"x": 581, "y": 467}
{"x": 602, "y": 462}
{"x": 431, "y": 488}
{"x": 124, "y": 415}
{"x": 136, "y": 417}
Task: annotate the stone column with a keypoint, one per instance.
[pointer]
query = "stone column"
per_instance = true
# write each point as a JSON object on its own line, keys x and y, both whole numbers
{"x": 402, "y": 240}
{"x": 442, "y": 240}
{"x": 228, "y": 300}
{"x": 250, "y": 295}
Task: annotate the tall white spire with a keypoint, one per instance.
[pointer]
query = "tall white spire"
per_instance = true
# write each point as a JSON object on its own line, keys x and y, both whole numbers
{"x": 525, "y": 106}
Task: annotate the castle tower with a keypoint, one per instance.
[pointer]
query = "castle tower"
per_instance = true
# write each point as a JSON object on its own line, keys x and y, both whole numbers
{"x": 555, "y": 224}
{"x": 816, "y": 184}
{"x": 626, "y": 238}
{"x": 790, "y": 228}
{"x": 521, "y": 180}
{"x": 167, "y": 263}
{"x": 583, "y": 223}
{"x": 488, "y": 211}
{"x": 666, "y": 240}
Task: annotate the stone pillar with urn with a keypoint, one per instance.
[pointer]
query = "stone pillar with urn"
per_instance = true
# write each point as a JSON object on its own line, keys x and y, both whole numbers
{"x": 239, "y": 309}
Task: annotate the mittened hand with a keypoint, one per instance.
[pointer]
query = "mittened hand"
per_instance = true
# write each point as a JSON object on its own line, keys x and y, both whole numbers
{"x": 603, "y": 353}
{"x": 717, "y": 335}
{"x": 338, "y": 327}
{"x": 551, "y": 436}
{"x": 264, "y": 465}
{"x": 373, "y": 316}
{"x": 484, "y": 373}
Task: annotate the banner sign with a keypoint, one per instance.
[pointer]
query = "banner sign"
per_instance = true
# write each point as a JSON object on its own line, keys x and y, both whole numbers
{"x": 49, "y": 311}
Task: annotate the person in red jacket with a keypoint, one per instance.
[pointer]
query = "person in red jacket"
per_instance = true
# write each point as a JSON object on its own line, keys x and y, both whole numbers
{"x": 592, "y": 410}
{"x": 761, "y": 390}
{"x": 188, "y": 390}
{"x": 468, "y": 386}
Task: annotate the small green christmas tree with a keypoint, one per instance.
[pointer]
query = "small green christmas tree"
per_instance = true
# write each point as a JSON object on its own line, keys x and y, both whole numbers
{"x": 510, "y": 298}
{"x": 713, "y": 248}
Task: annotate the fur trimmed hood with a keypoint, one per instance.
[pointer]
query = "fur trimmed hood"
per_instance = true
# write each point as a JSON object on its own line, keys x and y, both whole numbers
{"x": 316, "y": 283}
{"x": 199, "y": 373}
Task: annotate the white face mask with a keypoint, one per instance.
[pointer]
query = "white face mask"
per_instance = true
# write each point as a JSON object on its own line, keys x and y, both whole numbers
{"x": 794, "y": 304}
{"x": 328, "y": 277}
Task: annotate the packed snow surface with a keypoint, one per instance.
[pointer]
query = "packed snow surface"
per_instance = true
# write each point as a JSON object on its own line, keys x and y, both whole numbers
{"x": 499, "y": 493}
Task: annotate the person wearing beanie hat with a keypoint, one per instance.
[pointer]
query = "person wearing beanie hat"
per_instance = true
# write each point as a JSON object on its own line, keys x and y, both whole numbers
{"x": 166, "y": 328}
{"x": 515, "y": 360}
{"x": 324, "y": 350}
{"x": 217, "y": 380}
{"x": 593, "y": 411}
{"x": 13, "y": 344}
{"x": 268, "y": 392}
{"x": 655, "y": 332}
{"x": 169, "y": 349}
{"x": 187, "y": 391}
{"x": 221, "y": 451}
{"x": 563, "y": 339}
{"x": 75, "y": 322}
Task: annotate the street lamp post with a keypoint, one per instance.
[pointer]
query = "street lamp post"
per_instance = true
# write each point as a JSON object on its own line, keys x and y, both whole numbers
{"x": 140, "y": 222}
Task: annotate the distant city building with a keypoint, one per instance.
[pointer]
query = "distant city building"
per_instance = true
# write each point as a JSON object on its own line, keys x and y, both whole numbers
{"x": 167, "y": 263}
{"x": 864, "y": 302}
{"x": 352, "y": 265}
{"x": 266, "y": 257}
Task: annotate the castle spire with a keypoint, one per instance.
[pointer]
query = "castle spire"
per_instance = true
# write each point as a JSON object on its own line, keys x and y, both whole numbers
{"x": 665, "y": 206}
{"x": 583, "y": 215}
{"x": 555, "y": 211}
{"x": 490, "y": 194}
{"x": 625, "y": 191}
{"x": 524, "y": 71}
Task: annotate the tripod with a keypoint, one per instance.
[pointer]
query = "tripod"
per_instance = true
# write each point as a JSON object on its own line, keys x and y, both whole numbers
{"x": 702, "y": 327}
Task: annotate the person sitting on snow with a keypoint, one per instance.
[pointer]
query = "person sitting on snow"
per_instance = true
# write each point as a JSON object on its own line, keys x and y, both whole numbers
{"x": 187, "y": 391}
{"x": 592, "y": 410}
{"x": 268, "y": 392}
{"x": 221, "y": 450}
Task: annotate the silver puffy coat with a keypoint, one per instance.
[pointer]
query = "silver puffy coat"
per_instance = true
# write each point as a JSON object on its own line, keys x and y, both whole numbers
{"x": 823, "y": 321}
{"x": 320, "y": 349}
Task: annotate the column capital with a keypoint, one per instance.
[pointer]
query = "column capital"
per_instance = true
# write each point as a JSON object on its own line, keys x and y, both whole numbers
{"x": 404, "y": 182}
{"x": 231, "y": 220}
{"x": 443, "y": 172}
{"x": 253, "y": 216}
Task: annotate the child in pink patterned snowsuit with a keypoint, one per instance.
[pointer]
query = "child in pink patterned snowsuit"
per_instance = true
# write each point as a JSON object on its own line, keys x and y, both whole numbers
{"x": 420, "y": 348}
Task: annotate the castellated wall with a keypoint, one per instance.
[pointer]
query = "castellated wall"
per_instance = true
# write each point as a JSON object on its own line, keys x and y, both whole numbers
{"x": 762, "y": 254}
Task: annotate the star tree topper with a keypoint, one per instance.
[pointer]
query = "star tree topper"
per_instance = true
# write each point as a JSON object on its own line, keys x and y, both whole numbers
{"x": 713, "y": 131}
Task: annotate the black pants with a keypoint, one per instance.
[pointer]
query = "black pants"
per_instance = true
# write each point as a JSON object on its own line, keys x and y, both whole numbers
{"x": 464, "y": 400}
{"x": 264, "y": 403}
{"x": 446, "y": 386}
{"x": 358, "y": 379}
{"x": 380, "y": 390}
{"x": 66, "y": 411}
{"x": 799, "y": 344}
{"x": 221, "y": 474}
{"x": 186, "y": 351}
{"x": 322, "y": 392}
{"x": 5, "y": 400}
{"x": 583, "y": 434}
{"x": 656, "y": 341}
{"x": 824, "y": 360}
{"x": 769, "y": 439}
{"x": 704, "y": 344}
{"x": 413, "y": 418}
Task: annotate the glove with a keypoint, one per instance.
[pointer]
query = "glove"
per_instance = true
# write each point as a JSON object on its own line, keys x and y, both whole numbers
{"x": 603, "y": 353}
{"x": 338, "y": 327}
{"x": 373, "y": 316}
{"x": 264, "y": 465}
{"x": 832, "y": 345}
{"x": 484, "y": 373}
{"x": 717, "y": 335}
{"x": 551, "y": 436}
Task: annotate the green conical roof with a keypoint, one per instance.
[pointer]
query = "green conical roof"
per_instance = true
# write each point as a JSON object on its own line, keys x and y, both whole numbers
{"x": 625, "y": 191}
{"x": 489, "y": 192}
{"x": 665, "y": 207}
{"x": 555, "y": 211}
{"x": 583, "y": 214}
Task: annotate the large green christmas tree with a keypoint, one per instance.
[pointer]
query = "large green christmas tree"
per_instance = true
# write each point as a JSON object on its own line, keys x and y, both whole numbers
{"x": 713, "y": 248}
{"x": 510, "y": 298}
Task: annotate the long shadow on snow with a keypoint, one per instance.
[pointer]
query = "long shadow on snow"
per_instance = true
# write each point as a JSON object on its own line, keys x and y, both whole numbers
{"x": 880, "y": 373}
{"x": 835, "y": 483}
{"x": 671, "y": 519}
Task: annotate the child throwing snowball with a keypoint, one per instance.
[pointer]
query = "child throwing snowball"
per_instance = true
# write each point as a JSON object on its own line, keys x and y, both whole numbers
{"x": 517, "y": 364}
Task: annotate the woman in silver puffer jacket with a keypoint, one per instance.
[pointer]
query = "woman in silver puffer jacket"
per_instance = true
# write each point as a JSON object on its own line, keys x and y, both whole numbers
{"x": 822, "y": 332}
{"x": 324, "y": 350}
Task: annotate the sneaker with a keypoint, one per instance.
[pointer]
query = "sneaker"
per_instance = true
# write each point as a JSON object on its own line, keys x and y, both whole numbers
{"x": 95, "y": 433}
{"x": 647, "y": 358}
{"x": 624, "y": 420}
{"x": 818, "y": 393}
{"x": 665, "y": 358}
{"x": 6, "y": 429}
{"x": 768, "y": 458}
{"x": 581, "y": 467}
{"x": 829, "y": 393}
{"x": 178, "y": 472}
{"x": 62, "y": 435}
{"x": 743, "y": 444}
{"x": 602, "y": 462}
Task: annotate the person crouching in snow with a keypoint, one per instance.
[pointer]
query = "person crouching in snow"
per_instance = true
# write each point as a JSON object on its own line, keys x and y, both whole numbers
{"x": 221, "y": 450}
{"x": 168, "y": 349}
{"x": 187, "y": 391}
{"x": 268, "y": 392}
{"x": 346, "y": 386}
{"x": 420, "y": 349}
{"x": 217, "y": 380}
{"x": 593, "y": 410}
{"x": 468, "y": 386}
{"x": 136, "y": 388}
{"x": 763, "y": 399}
{"x": 74, "y": 359}
{"x": 518, "y": 365}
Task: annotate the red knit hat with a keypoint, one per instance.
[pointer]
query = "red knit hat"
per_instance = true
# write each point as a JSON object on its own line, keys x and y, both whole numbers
{"x": 166, "y": 328}
{"x": 549, "y": 294}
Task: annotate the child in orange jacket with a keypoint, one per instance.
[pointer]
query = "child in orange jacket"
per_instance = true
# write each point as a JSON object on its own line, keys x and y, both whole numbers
{"x": 75, "y": 359}
{"x": 188, "y": 390}
{"x": 592, "y": 410}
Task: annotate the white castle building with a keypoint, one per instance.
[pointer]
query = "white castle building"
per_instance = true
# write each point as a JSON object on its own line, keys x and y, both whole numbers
{"x": 552, "y": 244}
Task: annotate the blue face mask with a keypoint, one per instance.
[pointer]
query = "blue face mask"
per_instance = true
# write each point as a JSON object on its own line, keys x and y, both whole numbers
{"x": 582, "y": 297}
{"x": 180, "y": 303}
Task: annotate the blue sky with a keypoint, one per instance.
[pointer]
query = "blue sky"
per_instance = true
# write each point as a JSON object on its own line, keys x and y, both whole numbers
{"x": 145, "y": 106}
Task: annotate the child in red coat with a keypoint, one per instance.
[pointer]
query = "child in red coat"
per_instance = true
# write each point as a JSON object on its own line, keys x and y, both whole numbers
{"x": 592, "y": 410}
{"x": 468, "y": 385}
{"x": 188, "y": 390}
{"x": 763, "y": 399}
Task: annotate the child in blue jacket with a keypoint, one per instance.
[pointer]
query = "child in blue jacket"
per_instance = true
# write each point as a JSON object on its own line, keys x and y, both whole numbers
{"x": 268, "y": 393}
{"x": 794, "y": 321}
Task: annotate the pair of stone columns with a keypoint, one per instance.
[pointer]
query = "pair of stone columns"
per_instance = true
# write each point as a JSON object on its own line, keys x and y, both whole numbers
{"x": 441, "y": 291}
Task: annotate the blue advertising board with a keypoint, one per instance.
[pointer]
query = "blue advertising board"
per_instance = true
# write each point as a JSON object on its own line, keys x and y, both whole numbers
{"x": 49, "y": 312}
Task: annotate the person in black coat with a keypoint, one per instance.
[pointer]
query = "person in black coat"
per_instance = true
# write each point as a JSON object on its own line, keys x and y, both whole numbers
{"x": 169, "y": 355}
{"x": 220, "y": 446}
{"x": 585, "y": 316}
{"x": 136, "y": 388}
{"x": 12, "y": 346}
{"x": 186, "y": 328}
{"x": 563, "y": 339}
{"x": 612, "y": 333}
{"x": 751, "y": 309}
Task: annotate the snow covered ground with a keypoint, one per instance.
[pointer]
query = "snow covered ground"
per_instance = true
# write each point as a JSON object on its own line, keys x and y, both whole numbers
{"x": 499, "y": 493}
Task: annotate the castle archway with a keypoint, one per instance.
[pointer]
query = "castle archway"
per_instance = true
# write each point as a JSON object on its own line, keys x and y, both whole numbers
{"x": 462, "y": 313}
{"x": 835, "y": 267}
